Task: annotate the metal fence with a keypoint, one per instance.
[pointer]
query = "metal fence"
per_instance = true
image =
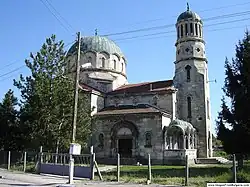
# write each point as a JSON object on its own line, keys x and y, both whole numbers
{"x": 22, "y": 161}
{"x": 63, "y": 158}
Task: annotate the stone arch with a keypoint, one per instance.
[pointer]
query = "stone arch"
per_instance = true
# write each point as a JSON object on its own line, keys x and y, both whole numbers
{"x": 124, "y": 124}
{"x": 107, "y": 55}
{"x": 131, "y": 134}
{"x": 117, "y": 55}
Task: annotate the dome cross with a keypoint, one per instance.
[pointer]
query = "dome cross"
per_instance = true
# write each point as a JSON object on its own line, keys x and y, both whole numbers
{"x": 187, "y": 6}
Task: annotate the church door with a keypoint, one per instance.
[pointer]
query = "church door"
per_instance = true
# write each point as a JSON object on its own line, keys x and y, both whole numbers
{"x": 125, "y": 147}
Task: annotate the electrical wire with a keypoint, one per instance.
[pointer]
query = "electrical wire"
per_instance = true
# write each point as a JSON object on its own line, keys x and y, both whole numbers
{"x": 61, "y": 23}
{"x": 206, "y": 10}
{"x": 21, "y": 67}
{"x": 173, "y": 31}
{"x": 172, "y": 25}
{"x": 72, "y": 28}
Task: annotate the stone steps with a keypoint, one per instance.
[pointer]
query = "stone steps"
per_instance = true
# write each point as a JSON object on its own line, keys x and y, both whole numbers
{"x": 212, "y": 160}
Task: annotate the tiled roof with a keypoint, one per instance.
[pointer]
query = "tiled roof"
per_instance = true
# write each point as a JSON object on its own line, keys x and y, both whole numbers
{"x": 166, "y": 85}
{"x": 129, "y": 109}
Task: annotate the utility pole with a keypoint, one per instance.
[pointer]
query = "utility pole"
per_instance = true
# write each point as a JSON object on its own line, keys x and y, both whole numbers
{"x": 74, "y": 120}
{"x": 76, "y": 87}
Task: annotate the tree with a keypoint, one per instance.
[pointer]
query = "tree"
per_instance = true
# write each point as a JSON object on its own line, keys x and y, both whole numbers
{"x": 9, "y": 122}
{"x": 237, "y": 90}
{"x": 47, "y": 99}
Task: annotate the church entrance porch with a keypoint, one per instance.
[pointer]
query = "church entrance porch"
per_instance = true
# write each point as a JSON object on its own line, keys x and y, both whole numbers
{"x": 125, "y": 147}
{"x": 124, "y": 137}
{"x": 180, "y": 139}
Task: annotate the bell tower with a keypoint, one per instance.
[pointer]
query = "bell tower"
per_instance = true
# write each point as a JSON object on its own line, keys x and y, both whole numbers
{"x": 191, "y": 79}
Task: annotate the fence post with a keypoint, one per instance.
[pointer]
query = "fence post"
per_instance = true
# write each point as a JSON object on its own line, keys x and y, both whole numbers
{"x": 234, "y": 169}
{"x": 149, "y": 170}
{"x": 64, "y": 159}
{"x": 186, "y": 171}
{"x": 40, "y": 160}
{"x": 9, "y": 154}
{"x": 24, "y": 161}
{"x": 92, "y": 165}
{"x": 41, "y": 154}
{"x": 118, "y": 167}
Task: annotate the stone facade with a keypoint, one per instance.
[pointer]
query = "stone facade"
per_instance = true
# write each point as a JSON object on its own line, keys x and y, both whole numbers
{"x": 167, "y": 119}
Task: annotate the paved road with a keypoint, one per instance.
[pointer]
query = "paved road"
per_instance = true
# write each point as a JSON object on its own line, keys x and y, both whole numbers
{"x": 16, "y": 179}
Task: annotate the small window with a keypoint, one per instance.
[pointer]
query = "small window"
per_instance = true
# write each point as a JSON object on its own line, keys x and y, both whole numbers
{"x": 103, "y": 62}
{"x": 89, "y": 59}
{"x": 114, "y": 64}
{"x": 188, "y": 73}
{"x": 155, "y": 100}
{"x": 196, "y": 29}
{"x": 191, "y": 28}
{"x": 208, "y": 115}
{"x": 181, "y": 30}
{"x": 189, "y": 107}
{"x": 186, "y": 29}
{"x": 148, "y": 139}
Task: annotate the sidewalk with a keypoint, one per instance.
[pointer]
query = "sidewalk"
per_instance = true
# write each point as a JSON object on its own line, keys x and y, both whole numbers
{"x": 18, "y": 179}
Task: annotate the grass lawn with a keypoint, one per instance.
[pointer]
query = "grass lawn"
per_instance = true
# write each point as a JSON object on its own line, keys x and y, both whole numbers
{"x": 167, "y": 175}
{"x": 174, "y": 175}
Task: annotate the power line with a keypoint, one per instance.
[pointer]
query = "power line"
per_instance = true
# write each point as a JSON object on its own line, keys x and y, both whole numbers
{"x": 205, "y": 10}
{"x": 61, "y": 23}
{"x": 173, "y": 31}
{"x": 20, "y": 67}
{"x": 172, "y": 25}
{"x": 60, "y": 15}
{"x": 14, "y": 70}
{"x": 166, "y": 36}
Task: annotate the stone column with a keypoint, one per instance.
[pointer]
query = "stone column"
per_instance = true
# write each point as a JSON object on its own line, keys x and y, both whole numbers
{"x": 188, "y": 146}
{"x": 189, "y": 30}
{"x": 184, "y": 141}
{"x": 193, "y": 143}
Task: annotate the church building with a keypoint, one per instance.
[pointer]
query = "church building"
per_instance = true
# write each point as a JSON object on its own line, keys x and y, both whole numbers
{"x": 167, "y": 119}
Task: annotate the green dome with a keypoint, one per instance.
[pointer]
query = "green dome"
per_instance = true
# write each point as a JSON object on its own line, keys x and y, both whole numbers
{"x": 188, "y": 15}
{"x": 97, "y": 44}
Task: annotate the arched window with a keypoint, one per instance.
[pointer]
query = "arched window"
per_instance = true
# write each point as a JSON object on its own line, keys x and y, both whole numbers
{"x": 178, "y": 32}
{"x": 181, "y": 30}
{"x": 186, "y": 29}
{"x": 103, "y": 62}
{"x": 196, "y": 29}
{"x": 208, "y": 116}
{"x": 191, "y": 29}
{"x": 189, "y": 107}
{"x": 200, "y": 30}
{"x": 188, "y": 69}
{"x": 148, "y": 139}
{"x": 122, "y": 67}
{"x": 101, "y": 140}
{"x": 114, "y": 65}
